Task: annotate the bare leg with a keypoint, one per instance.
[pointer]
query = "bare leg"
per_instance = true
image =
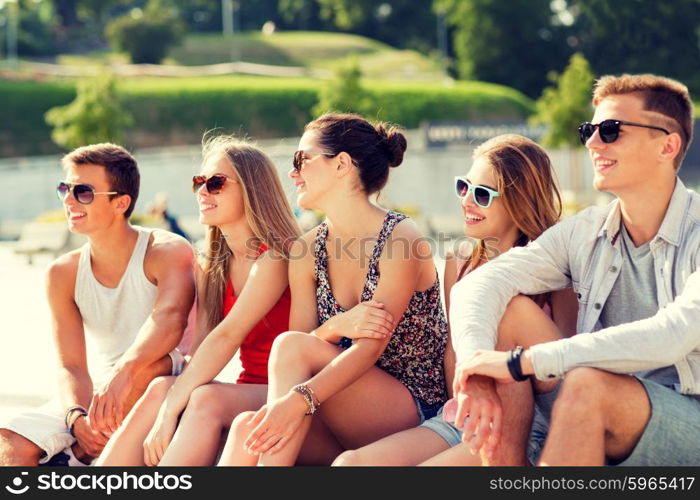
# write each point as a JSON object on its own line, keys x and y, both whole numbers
{"x": 234, "y": 453}
{"x": 16, "y": 450}
{"x": 405, "y": 448}
{"x": 209, "y": 412}
{"x": 373, "y": 407}
{"x": 596, "y": 415}
{"x": 125, "y": 447}
{"x": 524, "y": 323}
{"x": 459, "y": 455}
{"x": 320, "y": 447}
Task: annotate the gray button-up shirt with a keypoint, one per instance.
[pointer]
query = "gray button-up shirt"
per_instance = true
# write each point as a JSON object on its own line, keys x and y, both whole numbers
{"x": 584, "y": 252}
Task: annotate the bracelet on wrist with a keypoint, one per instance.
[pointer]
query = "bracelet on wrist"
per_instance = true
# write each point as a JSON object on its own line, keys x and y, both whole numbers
{"x": 308, "y": 394}
{"x": 514, "y": 364}
{"x": 69, "y": 420}
{"x": 345, "y": 343}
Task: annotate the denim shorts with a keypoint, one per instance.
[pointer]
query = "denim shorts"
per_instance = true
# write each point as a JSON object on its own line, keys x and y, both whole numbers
{"x": 670, "y": 437}
{"x": 427, "y": 411}
{"x": 445, "y": 430}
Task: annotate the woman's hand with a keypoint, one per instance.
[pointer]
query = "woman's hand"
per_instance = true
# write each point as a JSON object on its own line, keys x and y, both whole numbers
{"x": 275, "y": 424}
{"x": 158, "y": 438}
{"x": 365, "y": 320}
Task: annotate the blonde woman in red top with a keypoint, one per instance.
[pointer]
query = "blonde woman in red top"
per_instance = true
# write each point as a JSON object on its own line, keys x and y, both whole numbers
{"x": 243, "y": 303}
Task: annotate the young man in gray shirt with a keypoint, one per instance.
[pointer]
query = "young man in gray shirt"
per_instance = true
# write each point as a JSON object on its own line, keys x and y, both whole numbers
{"x": 630, "y": 392}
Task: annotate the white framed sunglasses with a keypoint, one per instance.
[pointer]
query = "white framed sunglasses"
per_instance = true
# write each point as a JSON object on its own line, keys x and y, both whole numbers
{"x": 482, "y": 195}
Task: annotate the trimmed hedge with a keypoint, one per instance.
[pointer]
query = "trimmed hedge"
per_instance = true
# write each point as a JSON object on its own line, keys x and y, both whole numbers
{"x": 178, "y": 111}
{"x": 23, "y": 130}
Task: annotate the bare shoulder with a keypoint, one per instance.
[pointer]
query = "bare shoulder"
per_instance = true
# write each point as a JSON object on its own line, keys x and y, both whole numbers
{"x": 64, "y": 269}
{"x": 169, "y": 247}
{"x": 407, "y": 237}
{"x": 302, "y": 250}
{"x": 272, "y": 263}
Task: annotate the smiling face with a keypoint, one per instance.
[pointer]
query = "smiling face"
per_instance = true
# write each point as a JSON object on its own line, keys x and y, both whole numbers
{"x": 104, "y": 210}
{"x": 491, "y": 222}
{"x": 315, "y": 179}
{"x": 226, "y": 207}
{"x": 633, "y": 160}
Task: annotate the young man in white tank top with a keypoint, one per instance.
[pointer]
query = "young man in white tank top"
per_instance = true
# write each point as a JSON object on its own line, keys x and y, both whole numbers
{"x": 119, "y": 308}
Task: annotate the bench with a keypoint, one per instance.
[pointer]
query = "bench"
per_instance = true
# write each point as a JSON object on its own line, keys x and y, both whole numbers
{"x": 45, "y": 237}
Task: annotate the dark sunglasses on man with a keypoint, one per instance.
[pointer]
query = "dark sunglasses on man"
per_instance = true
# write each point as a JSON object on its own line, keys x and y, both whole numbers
{"x": 83, "y": 193}
{"x": 214, "y": 184}
{"x": 609, "y": 130}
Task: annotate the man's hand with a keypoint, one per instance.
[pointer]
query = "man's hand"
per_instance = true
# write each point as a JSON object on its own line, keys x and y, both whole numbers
{"x": 91, "y": 441}
{"x": 107, "y": 407}
{"x": 492, "y": 364}
{"x": 479, "y": 411}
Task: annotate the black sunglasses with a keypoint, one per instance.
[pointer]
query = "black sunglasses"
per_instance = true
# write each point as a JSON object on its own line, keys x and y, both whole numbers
{"x": 83, "y": 193}
{"x": 609, "y": 130}
{"x": 214, "y": 184}
{"x": 298, "y": 160}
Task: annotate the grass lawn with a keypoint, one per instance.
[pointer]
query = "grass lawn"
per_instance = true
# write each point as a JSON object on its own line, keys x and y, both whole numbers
{"x": 322, "y": 50}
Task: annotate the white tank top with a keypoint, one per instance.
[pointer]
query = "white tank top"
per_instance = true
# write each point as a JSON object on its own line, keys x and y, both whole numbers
{"x": 112, "y": 317}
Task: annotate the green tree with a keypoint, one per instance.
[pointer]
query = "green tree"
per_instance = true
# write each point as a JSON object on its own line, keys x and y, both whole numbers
{"x": 514, "y": 43}
{"x": 346, "y": 94}
{"x": 95, "y": 115}
{"x": 401, "y": 23}
{"x": 640, "y": 36}
{"x": 565, "y": 105}
{"x": 146, "y": 36}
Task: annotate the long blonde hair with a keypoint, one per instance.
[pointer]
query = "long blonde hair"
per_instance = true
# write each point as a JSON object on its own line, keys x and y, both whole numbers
{"x": 526, "y": 180}
{"x": 267, "y": 212}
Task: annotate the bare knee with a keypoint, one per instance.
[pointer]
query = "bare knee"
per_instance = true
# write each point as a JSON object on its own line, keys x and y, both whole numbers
{"x": 351, "y": 458}
{"x": 584, "y": 382}
{"x": 205, "y": 403}
{"x": 581, "y": 391}
{"x": 17, "y": 450}
{"x": 241, "y": 426}
{"x": 289, "y": 347}
{"x": 158, "y": 389}
{"x": 519, "y": 308}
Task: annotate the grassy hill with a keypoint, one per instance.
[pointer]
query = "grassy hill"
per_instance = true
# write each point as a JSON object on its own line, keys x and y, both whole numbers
{"x": 309, "y": 49}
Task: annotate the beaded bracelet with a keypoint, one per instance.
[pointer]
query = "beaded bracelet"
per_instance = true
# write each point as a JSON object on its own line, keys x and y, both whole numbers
{"x": 309, "y": 396}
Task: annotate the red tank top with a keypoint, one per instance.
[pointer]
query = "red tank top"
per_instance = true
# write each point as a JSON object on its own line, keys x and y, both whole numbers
{"x": 255, "y": 349}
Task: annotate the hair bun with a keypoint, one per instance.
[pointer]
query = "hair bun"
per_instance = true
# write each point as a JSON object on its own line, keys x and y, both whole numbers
{"x": 395, "y": 143}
